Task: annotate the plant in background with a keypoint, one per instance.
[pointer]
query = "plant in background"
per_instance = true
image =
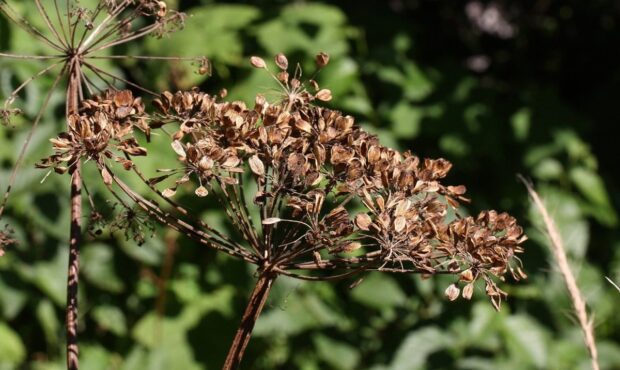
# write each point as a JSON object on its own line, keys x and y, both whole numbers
{"x": 310, "y": 195}
{"x": 81, "y": 36}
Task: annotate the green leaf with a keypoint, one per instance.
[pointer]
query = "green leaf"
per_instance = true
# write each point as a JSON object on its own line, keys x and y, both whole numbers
{"x": 526, "y": 339}
{"x": 336, "y": 354}
{"x": 521, "y": 122}
{"x": 302, "y": 312}
{"x": 99, "y": 259}
{"x": 11, "y": 300}
{"x": 417, "y": 346}
{"x": 406, "y": 120}
{"x": 110, "y": 318}
{"x": 49, "y": 321}
{"x": 213, "y": 31}
{"x": 290, "y": 30}
{"x": 12, "y": 350}
{"x": 593, "y": 189}
{"x": 44, "y": 275}
{"x": 379, "y": 291}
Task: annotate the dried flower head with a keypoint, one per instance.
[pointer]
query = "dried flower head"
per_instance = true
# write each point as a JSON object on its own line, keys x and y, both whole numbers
{"x": 329, "y": 195}
{"x": 327, "y": 199}
{"x": 101, "y": 130}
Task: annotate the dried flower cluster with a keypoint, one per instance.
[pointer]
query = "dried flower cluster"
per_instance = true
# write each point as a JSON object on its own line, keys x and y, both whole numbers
{"x": 328, "y": 194}
{"x": 101, "y": 130}
{"x": 327, "y": 199}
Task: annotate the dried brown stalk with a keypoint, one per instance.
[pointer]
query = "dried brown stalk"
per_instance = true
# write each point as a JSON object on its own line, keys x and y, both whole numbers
{"x": 559, "y": 254}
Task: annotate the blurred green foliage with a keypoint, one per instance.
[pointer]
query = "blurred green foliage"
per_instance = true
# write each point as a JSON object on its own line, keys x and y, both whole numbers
{"x": 420, "y": 74}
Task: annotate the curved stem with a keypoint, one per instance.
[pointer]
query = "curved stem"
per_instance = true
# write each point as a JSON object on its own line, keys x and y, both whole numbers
{"x": 252, "y": 312}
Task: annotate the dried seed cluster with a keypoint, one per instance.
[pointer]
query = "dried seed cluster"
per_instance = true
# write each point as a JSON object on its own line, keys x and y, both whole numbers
{"x": 311, "y": 164}
{"x": 328, "y": 194}
{"x": 101, "y": 130}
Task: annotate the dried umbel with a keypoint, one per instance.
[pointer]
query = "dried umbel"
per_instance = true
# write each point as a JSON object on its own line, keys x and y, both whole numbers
{"x": 327, "y": 199}
{"x": 103, "y": 129}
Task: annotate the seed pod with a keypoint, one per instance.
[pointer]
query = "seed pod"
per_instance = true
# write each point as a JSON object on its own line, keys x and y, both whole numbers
{"x": 201, "y": 191}
{"x": 351, "y": 247}
{"x": 324, "y": 95}
{"x": 168, "y": 192}
{"x": 452, "y": 292}
{"x": 467, "y": 276}
{"x": 281, "y": 61}
{"x": 256, "y": 165}
{"x": 468, "y": 291}
{"x": 178, "y": 148}
{"x": 258, "y": 62}
{"x": 363, "y": 221}
{"x": 322, "y": 59}
{"x": 399, "y": 224}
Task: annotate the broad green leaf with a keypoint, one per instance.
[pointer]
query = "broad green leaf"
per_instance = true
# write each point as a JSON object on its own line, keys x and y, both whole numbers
{"x": 44, "y": 276}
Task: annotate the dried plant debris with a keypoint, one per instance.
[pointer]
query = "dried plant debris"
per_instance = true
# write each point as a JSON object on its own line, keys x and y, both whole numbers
{"x": 329, "y": 195}
{"x": 6, "y": 239}
{"x": 134, "y": 223}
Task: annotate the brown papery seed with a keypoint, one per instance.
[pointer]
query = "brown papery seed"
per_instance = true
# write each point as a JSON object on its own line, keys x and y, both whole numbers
{"x": 258, "y": 62}
{"x": 281, "y": 61}
{"x": 452, "y": 292}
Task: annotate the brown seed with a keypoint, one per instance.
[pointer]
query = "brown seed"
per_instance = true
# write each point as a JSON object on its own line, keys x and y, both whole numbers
{"x": 452, "y": 292}
{"x": 399, "y": 224}
{"x": 351, "y": 247}
{"x": 363, "y": 221}
{"x": 107, "y": 178}
{"x": 467, "y": 276}
{"x": 256, "y": 165}
{"x": 168, "y": 192}
{"x": 322, "y": 59}
{"x": 281, "y": 61}
{"x": 258, "y": 62}
{"x": 468, "y": 291}
{"x": 201, "y": 191}
{"x": 324, "y": 95}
